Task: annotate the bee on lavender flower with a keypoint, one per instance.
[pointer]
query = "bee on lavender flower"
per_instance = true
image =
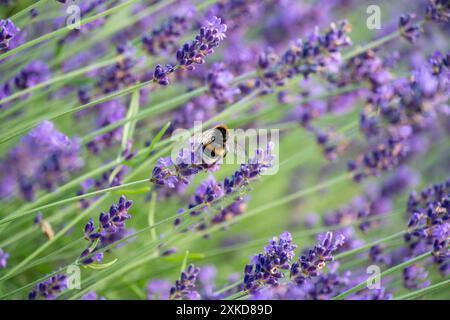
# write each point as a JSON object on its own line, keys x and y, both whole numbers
{"x": 216, "y": 143}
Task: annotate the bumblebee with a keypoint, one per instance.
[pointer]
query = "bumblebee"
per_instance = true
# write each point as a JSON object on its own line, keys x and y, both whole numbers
{"x": 214, "y": 143}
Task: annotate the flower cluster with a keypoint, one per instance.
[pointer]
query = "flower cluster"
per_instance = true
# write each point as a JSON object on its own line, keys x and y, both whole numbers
{"x": 120, "y": 74}
{"x": 314, "y": 260}
{"x": 32, "y": 74}
{"x": 438, "y": 10}
{"x": 219, "y": 81}
{"x": 189, "y": 162}
{"x": 164, "y": 38}
{"x": 267, "y": 267}
{"x": 263, "y": 160}
{"x": 393, "y": 121}
{"x": 319, "y": 52}
{"x": 43, "y": 159}
{"x": 7, "y": 32}
{"x": 203, "y": 45}
{"x": 209, "y": 190}
{"x": 184, "y": 289}
{"x": 429, "y": 225}
{"x": 49, "y": 289}
{"x": 161, "y": 74}
{"x": 415, "y": 277}
{"x": 194, "y": 52}
{"x": 111, "y": 229}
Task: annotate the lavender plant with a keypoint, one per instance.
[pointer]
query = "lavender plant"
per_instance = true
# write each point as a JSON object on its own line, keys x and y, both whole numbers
{"x": 351, "y": 176}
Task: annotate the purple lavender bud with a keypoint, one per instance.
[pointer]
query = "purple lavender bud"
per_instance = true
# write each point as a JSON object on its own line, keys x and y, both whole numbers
{"x": 7, "y": 32}
{"x": 184, "y": 288}
{"x": 161, "y": 74}
{"x": 438, "y": 10}
{"x": 408, "y": 29}
{"x": 49, "y": 289}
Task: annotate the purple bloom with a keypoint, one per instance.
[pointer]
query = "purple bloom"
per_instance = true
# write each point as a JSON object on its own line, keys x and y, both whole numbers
{"x": 120, "y": 74}
{"x": 314, "y": 260}
{"x": 91, "y": 295}
{"x": 50, "y": 288}
{"x": 38, "y": 219}
{"x": 164, "y": 38}
{"x": 327, "y": 285}
{"x": 158, "y": 290}
{"x": 415, "y": 277}
{"x": 161, "y": 74}
{"x": 189, "y": 162}
{"x": 262, "y": 160}
{"x": 7, "y": 32}
{"x": 210, "y": 190}
{"x": 375, "y": 294}
{"x": 33, "y": 74}
{"x": 219, "y": 80}
{"x": 408, "y": 29}
{"x": 267, "y": 267}
{"x": 204, "y": 43}
{"x": 429, "y": 224}
{"x": 111, "y": 229}
{"x": 43, "y": 159}
{"x": 233, "y": 210}
{"x": 438, "y": 10}
{"x": 184, "y": 288}
{"x": 319, "y": 52}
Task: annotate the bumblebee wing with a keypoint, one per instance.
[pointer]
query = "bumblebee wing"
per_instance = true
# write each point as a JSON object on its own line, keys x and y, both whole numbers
{"x": 200, "y": 140}
{"x": 236, "y": 148}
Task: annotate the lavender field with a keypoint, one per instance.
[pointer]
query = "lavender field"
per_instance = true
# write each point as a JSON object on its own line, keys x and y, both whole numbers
{"x": 224, "y": 150}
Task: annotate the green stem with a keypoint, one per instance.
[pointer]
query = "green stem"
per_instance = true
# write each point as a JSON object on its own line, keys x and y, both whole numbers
{"x": 53, "y": 80}
{"x": 71, "y": 199}
{"x": 26, "y": 10}
{"x": 421, "y": 292}
{"x": 63, "y": 30}
{"x": 385, "y": 273}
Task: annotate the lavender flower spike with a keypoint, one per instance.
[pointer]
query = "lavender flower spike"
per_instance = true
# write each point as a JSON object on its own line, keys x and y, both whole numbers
{"x": 50, "y": 288}
{"x": 266, "y": 268}
{"x": 184, "y": 288}
{"x": 203, "y": 44}
{"x": 310, "y": 264}
{"x": 111, "y": 229}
